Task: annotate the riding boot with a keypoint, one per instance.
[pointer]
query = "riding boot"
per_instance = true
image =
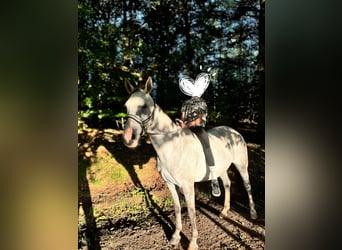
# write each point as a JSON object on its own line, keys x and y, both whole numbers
{"x": 215, "y": 186}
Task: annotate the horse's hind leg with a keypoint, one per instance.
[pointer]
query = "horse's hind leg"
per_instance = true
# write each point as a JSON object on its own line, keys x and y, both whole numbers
{"x": 243, "y": 170}
{"x": 226, "y": 184}
{"x": 176, "y": 235}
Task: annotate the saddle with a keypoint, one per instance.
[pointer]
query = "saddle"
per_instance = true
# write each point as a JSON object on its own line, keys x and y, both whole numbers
{"x": 202, "y": 135}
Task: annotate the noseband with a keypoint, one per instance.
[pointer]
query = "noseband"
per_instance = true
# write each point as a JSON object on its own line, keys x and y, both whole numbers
{"x": 142, "y": 123}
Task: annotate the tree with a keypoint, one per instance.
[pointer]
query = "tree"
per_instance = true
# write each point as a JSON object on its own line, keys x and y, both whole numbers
{"x": 165, "y": 39}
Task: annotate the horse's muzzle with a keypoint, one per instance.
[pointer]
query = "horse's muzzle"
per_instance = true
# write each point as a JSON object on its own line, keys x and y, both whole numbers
{"x": 129, "y": 139}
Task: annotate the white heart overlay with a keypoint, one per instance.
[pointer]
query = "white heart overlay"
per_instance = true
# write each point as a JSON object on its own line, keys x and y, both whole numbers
{"x": 194, "y": 88}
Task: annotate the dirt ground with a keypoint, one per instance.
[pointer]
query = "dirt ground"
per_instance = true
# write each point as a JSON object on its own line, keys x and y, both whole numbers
{"x": 154, "y": 228}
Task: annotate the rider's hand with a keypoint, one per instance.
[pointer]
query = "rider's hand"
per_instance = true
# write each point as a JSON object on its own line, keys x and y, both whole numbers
{"x": 183, "y": 125}
{"x": 179, "y": 122}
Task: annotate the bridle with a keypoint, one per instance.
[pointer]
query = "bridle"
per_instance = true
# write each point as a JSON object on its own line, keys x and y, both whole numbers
{"x": 143, "y": 123}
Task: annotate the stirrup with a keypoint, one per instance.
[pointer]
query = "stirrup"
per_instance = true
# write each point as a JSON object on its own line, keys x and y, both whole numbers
{"x": 215, "y": 188}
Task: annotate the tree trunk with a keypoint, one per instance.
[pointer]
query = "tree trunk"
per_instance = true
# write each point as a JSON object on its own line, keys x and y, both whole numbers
{"x": 261, "y": 70}
{"x": 189, "y": 50}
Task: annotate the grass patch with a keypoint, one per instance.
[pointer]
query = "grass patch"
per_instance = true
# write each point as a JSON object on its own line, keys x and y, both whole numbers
{"x": 130, "y": 204}
{"x": 134, "y": 205}
{"x": 166, "y": 203}
{"x": 107, "y": 170}
{"x": 119, "y": 174}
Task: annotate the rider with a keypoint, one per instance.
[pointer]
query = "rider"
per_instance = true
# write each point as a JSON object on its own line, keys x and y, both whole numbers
{"x": 194, "y": 114}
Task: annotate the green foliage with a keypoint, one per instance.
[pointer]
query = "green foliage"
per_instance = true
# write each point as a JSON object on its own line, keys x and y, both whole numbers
{"x": 118, "y": 175}
{"x": 164, "y": 39}
{"x": 120, "y": 115}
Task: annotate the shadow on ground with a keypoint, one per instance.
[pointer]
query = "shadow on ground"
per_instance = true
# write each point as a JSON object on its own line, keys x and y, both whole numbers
{"x": 88, "y": 235}
{"x": 208, "y": 206}
{"x": 139, "y": 156}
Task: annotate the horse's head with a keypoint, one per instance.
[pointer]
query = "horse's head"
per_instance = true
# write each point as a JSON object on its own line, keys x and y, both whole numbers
{"x": 140, "y": 106}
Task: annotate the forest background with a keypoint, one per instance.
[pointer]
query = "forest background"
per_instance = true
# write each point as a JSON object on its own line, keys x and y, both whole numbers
{"x": 166, "y": 40}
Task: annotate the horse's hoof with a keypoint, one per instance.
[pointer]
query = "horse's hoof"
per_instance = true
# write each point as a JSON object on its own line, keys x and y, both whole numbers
{"x": 223, "y": 215}
{"x": 175, "y": 240}
{"x": 254, "y": 216}
{"x": 193, "y": 247}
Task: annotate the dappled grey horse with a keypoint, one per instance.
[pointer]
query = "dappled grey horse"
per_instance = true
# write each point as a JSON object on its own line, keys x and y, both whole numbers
{"x": 180, "y": 157}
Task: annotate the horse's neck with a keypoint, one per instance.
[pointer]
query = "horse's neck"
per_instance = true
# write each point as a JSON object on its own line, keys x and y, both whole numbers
{"x": 162, "y": 123}
{"x": 168, "y": 140}
{"x": 162, "y": 129}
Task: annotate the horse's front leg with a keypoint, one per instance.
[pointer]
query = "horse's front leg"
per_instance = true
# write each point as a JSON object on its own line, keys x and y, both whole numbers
{"x": 176, "y": 235}
{"x": 189, "y": 194}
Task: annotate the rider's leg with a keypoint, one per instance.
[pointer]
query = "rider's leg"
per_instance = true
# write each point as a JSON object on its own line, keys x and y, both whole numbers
{"x": 203, "y": 137}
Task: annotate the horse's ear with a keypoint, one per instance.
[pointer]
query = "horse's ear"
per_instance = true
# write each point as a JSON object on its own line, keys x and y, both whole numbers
{"x": 148, "y": 85}
{"x": 129, "y": 87}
